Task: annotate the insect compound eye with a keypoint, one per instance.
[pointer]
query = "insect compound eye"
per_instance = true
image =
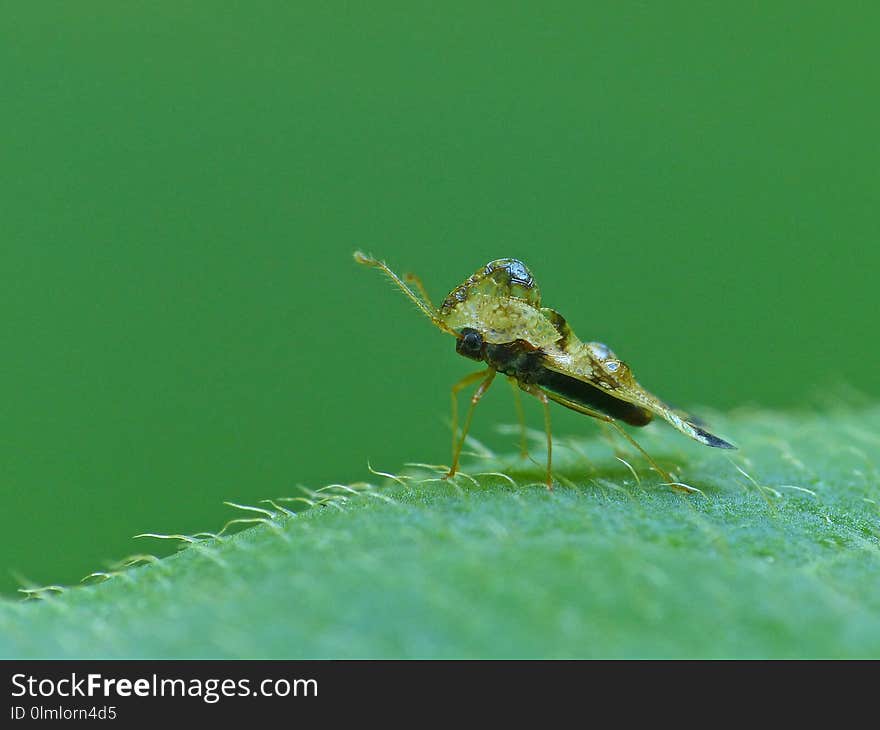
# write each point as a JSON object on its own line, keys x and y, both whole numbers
{"x": 470, "y": 344}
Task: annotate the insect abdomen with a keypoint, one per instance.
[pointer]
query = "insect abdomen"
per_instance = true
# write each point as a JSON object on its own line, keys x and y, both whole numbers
{"x": 590, "y": 396}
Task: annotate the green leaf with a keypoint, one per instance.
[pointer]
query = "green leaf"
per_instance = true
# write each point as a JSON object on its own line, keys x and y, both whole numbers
{"x": 780, "y": 557}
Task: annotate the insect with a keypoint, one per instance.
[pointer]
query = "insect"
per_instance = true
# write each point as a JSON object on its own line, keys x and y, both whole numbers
{"x": 496, "y": 318}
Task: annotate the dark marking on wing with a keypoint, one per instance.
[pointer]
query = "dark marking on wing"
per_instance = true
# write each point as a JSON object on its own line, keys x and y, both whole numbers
{"x": 558, "y": 321}
{"x": 711, "y": 439}
{"x": 592, "y": 397}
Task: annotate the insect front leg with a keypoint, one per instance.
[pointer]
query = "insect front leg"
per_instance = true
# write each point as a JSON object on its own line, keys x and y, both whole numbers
{"x": 457, "y": 444}
{"x": 542, "y": 396}
{"x": 459, "y": 386}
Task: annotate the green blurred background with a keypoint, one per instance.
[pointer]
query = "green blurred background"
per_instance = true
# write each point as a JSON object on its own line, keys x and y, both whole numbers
{"x": 183, "y": 184}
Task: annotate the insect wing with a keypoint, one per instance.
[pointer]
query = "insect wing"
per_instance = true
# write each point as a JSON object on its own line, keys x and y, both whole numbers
{"x": 606, "y": 384}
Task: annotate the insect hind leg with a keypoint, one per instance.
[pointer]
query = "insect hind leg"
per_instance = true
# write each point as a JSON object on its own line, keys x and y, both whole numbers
{"x": 545, "y": 401}
{"x": 521, "y": 419}
{"x": 667, "y": 478}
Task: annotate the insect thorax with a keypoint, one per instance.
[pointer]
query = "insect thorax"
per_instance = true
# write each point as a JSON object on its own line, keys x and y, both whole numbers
{"x": 499, "y": 278}
{"x": 502, "y": 302}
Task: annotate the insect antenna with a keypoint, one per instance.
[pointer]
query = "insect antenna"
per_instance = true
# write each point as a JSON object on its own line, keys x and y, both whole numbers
{"x": 427, "y": 310}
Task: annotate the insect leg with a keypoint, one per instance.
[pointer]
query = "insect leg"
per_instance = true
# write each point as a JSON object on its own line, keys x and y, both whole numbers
{"x": 546, "y": 402}
{"x": 608, "y": 436}
{"x": 542, "y": 396}
{"x": 460, "y": 385}
{"x": 475, "y": 398}
{"x": 617, "y": 427}
{"x": 521, "y": 416}
{"x": 660, "y": 470}
{"x": 417, "y": 282}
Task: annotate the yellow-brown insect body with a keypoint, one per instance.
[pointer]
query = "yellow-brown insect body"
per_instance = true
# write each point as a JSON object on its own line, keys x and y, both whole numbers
{"x": 502, "y": 303}
{"x": 497, "y": 317}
